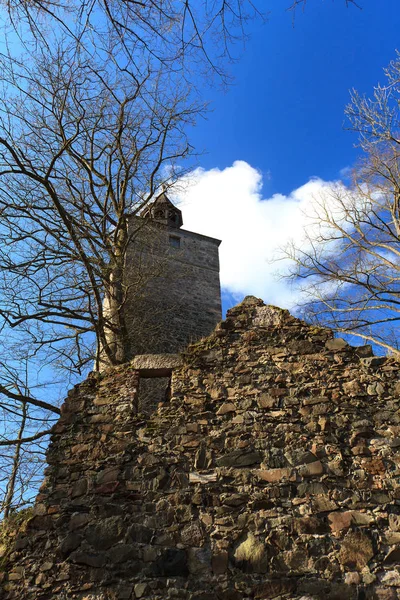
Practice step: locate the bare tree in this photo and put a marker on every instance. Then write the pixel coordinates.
(181, 37)
(25, 423)
(84, 147)
(184, 36)
(350, 258)
(80, 152)
(296, 4)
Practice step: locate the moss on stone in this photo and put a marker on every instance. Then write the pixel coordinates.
(10, 527)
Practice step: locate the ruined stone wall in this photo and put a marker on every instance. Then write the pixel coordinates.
(272, 472)
(174, 293)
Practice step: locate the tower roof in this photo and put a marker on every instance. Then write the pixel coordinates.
(163, 211)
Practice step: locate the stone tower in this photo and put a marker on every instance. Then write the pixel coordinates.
(173, 288)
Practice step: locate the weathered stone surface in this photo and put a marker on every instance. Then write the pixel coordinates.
(78, 520)
(393, 557)
(141, 589)
(311, 469)
(79, 488)
(391, 578)
(156, 364)
(171, 563)
(202, 477)
(274, 475)
(123, 553)
(220, 563)
(356, 550)
(104, 534)
(310, 524)
(239, 458)
(199, 561)
(343, 520)
(275, 589)
(394, 522)
(140, 533)
(228, 407)
(88, 558)
(271, 472)
(373, 361)
(336, 344)
(298, 457)
(192, 535)
(107, 475)
(70, 543)
(340, 520)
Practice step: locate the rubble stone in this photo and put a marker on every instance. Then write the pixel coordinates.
(272, 472)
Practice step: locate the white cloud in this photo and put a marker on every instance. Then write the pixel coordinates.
(228, 204)
(346, 172)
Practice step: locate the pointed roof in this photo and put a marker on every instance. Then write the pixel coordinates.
(163, 211)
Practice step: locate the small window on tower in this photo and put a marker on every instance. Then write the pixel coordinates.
(174, 241)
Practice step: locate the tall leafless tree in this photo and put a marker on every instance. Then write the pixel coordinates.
(80, 151)
(84, 148)
(185, 36)
(25, 423)
(350, 259)
(180, 36)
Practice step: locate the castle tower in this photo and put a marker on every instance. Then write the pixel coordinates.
(172, 279)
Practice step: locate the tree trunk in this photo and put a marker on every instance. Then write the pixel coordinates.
(16, 462)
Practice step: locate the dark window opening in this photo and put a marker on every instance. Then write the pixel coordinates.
(174, 241)
(152, 391)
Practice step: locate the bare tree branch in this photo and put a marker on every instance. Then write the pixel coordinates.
(349, 260)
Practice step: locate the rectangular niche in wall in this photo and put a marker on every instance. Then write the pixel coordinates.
(152, 391)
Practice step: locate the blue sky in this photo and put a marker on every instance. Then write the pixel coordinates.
(284, 118)
(284, 113)
(280, 126)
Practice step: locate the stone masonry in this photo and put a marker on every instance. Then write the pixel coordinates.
(271, 472)
(172, 278)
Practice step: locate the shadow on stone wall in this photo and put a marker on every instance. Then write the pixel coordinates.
(272, 472)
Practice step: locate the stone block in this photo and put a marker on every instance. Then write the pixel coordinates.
(79, 488)
(239, 458)
(78, 520)
(298, 457)
(393, 557)
(226, 408)
(69, 543)
(156, 365)
(202, 477)
(105, 532)
(141, 590)
(13, 576)
(275, 475)
(219, 562)
(171, 563)
(394, 522)
(122, 553)
(275, 589)
(199, 561)
(336, 344)
(356, 550)
(89, 559)
(311, 469)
